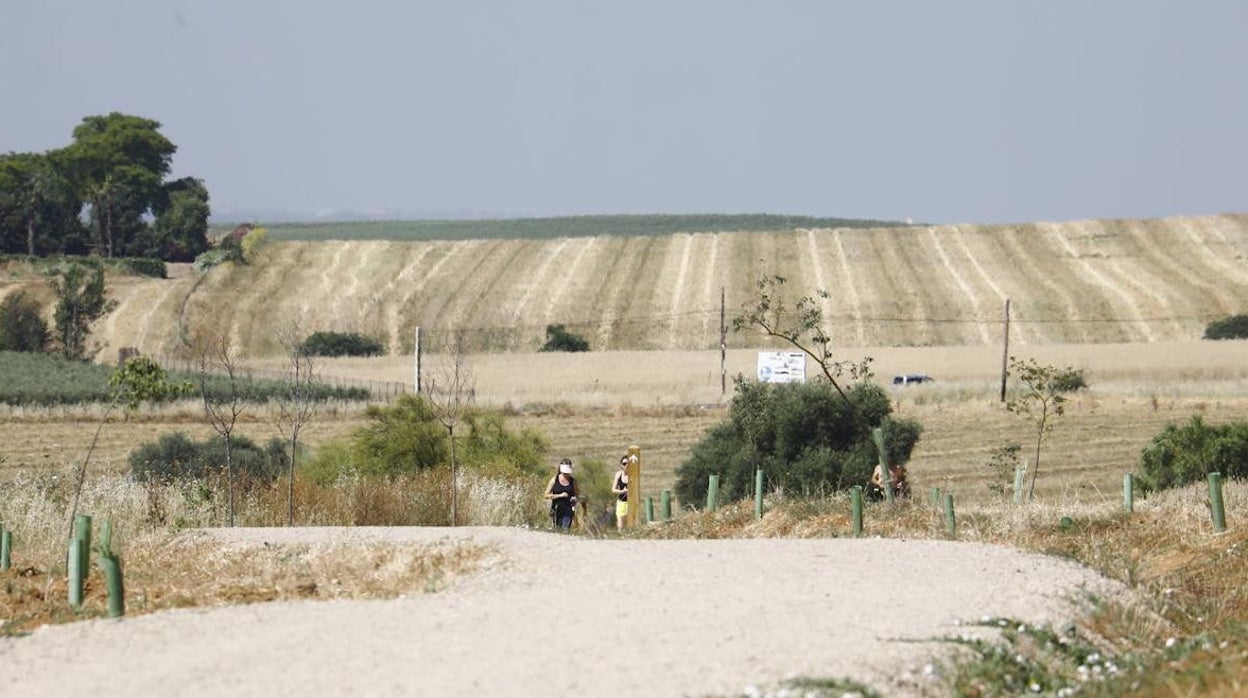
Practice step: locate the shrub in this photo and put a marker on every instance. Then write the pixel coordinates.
(218, 255)
(406, 437)
(1234, 327)
(1182, 455)
(176, 457)
(559, 339)
(22, 327)
(146, 266)
(1070, 380)
(341, 344)
(805, 437)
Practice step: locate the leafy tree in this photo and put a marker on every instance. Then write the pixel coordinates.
(80, 301)
(180, 231)
(1043, 399)
(139, 379)
(807, 438)
(117, 163)
(1233, 327)
(21, 324)
(558, 338)
(801, 326)
(33, 192)
(1179, 456)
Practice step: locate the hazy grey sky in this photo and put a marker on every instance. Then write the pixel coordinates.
(986, 111)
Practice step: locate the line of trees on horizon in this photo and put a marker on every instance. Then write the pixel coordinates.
(106, 193)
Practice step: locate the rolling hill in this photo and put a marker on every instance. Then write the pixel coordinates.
(1095, 281)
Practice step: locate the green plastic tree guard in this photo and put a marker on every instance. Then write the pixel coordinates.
(712, 492)
(951, 523)
(1215, 502)
(75, 573)
(1128, 493)
(936, 499)
(855, 508)
(111, 564)
(665, 503)
(649, 509)
(758, 494)
(6, 550)
(82, 531)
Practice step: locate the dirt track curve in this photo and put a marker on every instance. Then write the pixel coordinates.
(573, 617)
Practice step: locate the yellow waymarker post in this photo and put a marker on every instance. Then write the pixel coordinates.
(634, 485)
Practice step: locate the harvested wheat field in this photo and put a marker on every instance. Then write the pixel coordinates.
(1099, 281)
(596, 404)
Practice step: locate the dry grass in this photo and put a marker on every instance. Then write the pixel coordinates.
(167, 567)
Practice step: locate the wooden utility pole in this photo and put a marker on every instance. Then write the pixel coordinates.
(417, 354)
(1005, 351)
(634, 485)
(723, 346)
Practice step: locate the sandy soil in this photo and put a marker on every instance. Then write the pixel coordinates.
(571, 616)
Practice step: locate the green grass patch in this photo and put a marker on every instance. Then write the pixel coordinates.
(45, 380)
(551, 228)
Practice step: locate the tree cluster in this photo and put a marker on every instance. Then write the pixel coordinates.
(1233, 327)
(558, 338)
(806, 437)
(106, 192)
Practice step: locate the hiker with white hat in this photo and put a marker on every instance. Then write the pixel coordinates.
(562, 493)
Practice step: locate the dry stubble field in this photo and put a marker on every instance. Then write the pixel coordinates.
(595, 405)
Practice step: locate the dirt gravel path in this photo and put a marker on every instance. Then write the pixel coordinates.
(552, 614)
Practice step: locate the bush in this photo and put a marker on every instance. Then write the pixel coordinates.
(218, 255)
(559, 339)
(1179, 456)
(1070, 380)
(176, 457)
(341, 344)
(406, 438)
(805, 437)
(22, 327)
(146, 266)
(1234, 327)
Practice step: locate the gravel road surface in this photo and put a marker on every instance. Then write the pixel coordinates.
(559, 615)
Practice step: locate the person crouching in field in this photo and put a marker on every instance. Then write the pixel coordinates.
(897, 474)
(619, 487)
(562, 493)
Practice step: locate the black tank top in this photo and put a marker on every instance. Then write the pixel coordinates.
(621, 483)
(559, 488)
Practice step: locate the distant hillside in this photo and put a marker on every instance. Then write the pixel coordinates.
(551, 228)
(1077, 282)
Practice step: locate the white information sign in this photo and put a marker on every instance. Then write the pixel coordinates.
(781, 367)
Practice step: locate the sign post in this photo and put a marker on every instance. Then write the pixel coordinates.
(634, 485)
(781, 367)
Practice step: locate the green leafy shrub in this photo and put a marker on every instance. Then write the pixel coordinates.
(406, 437)
(1182, 455)
(22, 327)
(146, 266)
(176, 457)
(341, 344)
(1234, 327)
(805, 437)
(218, 255)
(558, 338)
(1069, 380)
